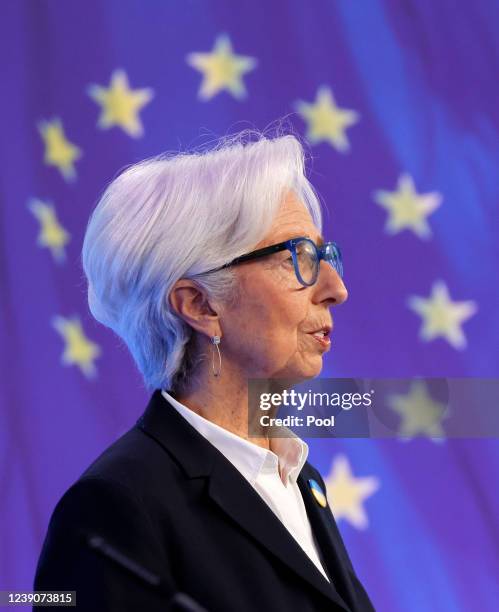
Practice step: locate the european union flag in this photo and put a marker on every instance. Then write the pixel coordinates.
(398, 103)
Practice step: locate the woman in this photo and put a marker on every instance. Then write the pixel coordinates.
(186, 510)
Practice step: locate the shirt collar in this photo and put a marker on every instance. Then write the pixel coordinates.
(289, 451)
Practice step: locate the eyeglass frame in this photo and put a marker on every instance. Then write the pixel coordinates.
(328, 251)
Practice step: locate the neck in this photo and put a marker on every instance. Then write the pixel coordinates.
(224, 401)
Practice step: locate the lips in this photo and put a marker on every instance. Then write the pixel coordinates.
(325, 330)
(322, 335)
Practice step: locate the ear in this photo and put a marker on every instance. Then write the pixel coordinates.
(190, 301)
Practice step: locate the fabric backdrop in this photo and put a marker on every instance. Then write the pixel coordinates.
(399, 104)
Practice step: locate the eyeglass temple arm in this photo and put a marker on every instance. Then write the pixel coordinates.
(275, 248)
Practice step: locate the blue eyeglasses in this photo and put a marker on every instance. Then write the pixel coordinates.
(306, 257)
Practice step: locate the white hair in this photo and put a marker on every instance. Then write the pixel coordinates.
(175, 216)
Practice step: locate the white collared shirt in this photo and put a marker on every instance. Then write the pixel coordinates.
(261, 468)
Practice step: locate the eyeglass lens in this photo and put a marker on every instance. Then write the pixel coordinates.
(307, 261)
(308, 264)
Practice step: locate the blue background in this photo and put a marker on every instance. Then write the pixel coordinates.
(423, 78)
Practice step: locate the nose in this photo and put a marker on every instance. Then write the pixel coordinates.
(329, 287)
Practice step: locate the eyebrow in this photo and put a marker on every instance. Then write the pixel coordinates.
(320, 239)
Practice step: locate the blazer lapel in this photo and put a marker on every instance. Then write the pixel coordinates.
(230, 490)
(328, 539)
(237, 498)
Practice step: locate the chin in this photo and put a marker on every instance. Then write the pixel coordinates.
(308, 371)
(298, 370)
(313, 373)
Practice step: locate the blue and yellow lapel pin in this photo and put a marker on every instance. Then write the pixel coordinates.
(317, 492)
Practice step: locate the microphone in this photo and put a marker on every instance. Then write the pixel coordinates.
(177, 601)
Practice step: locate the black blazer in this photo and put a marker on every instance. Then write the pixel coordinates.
(163, 512)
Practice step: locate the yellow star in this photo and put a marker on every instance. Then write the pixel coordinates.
(78, 350)
(52, 233)
(222, 69)
(347, 493)
(419, 412)
(441, 316)
(59, 152)
(326, 121)
(407, 209)
(120, 104)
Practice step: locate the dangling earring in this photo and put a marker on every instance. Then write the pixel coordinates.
(216, 341)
